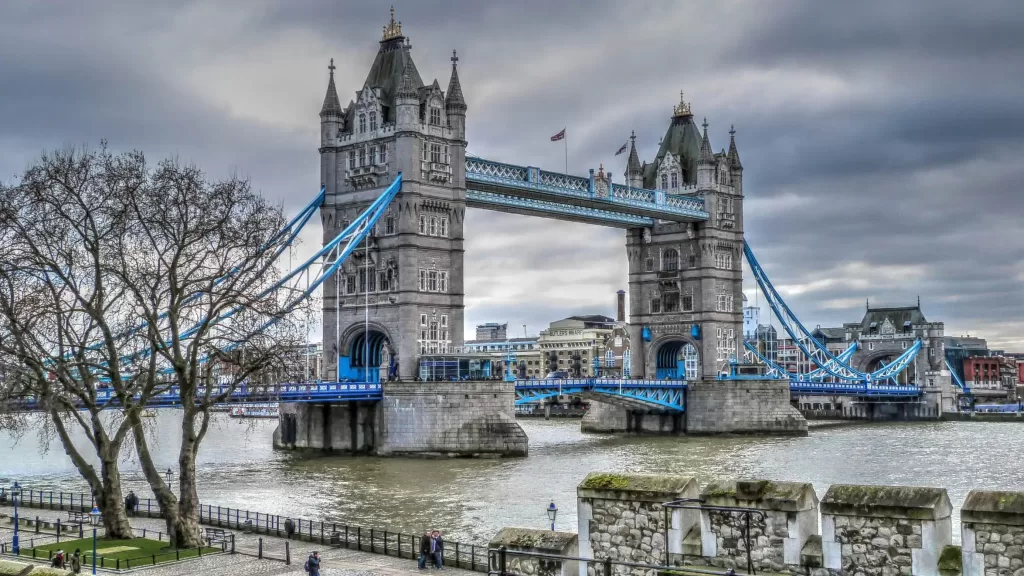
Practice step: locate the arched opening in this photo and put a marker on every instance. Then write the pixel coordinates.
(879, 362)
(364, 352)
(678, 359)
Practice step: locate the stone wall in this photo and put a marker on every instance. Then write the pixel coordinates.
(992, 533)
(450, 418)
(349, 427)
(742, 407)
(884, 530)
(518, 541)
(603, 417)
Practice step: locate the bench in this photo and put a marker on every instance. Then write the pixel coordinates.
(77, 517)
(217, 535)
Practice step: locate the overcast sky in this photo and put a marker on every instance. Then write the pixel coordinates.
(881, 141)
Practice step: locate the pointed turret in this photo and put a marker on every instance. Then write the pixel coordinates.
(331, 104)
(407, 99)
(705, 162)
(634, 171)
(682, 142)
(734, 155)
(707, 155)
(454, 103)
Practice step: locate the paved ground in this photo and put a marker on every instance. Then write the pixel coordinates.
(336, 562)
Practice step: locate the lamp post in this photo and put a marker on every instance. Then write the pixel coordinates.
(94, 521)
(552, 513)
(170, 476)
(15, 496)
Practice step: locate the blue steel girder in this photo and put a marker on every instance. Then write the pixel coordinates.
(815, 388)
(532, 183)
(661, 394)
(549, 209)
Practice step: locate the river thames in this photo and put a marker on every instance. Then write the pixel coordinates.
(470, 500)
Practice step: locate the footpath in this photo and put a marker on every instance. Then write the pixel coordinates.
(335, 561)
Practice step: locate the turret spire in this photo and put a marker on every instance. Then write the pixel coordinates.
(707, 155)
(734, 155)
(633, 164)
(453, 99)
(331, 104)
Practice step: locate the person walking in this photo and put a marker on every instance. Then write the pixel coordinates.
(313, 564)
(437, 549)
(76, 561)
(424, 550)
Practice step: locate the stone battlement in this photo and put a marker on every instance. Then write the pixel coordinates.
(852, 530)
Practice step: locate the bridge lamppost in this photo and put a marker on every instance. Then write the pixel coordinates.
(15, 496)
(94, 521)
(552, 513)
(170, 477)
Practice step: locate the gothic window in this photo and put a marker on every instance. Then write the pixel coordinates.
(362, 123)
(664, 181)
(372, 282)
(693, 260)
(373, 155)
(691, 362)
(655, 305)
(435, 153)
(382, 281)
(670, 260)
(675, 180)
(649, 265)
(423, 319)
(423, 224)
(671, 301)
(609, 358)
(373, 121)
(444, 227)
(688, 303)
(362, 157)
(423, 280)
(435, 116)
(443, 281)
(625, 363)
(432, 280)
(434, 331)
(384, 154)
(351, 159)
(350, 284)
(723, 261)
(725, 302)
(362, 280)
(389, 225)
(433, 226)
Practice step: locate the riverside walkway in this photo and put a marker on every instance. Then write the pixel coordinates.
(335, 560)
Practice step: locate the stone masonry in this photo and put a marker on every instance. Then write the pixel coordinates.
(450, 418)
(992, 533)
(884, 530)
(527, 540)
(742, 407)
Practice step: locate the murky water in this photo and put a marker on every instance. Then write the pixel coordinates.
(472, 499)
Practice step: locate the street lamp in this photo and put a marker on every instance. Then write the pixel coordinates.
(170, 476)
(552, 513)
(15, 496)
(94, 521)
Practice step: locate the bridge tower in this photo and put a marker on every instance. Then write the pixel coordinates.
(406, 284)
(685, 279)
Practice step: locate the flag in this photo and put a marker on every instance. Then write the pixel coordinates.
(558, 136)
(623, 149)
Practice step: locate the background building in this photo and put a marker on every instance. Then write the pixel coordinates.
(492, 331)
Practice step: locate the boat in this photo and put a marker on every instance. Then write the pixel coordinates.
(254, 412)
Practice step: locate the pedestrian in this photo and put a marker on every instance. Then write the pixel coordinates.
(289, 528)
(131, 502)
(58, 560)
(76, 561)
(437, 549)
(312, 566)
(424, 549)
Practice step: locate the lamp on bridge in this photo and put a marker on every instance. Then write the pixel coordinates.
(94, 521)
(552, 513)
(170, 476)
(15, 498)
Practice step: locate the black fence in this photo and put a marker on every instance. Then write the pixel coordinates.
(375, 540)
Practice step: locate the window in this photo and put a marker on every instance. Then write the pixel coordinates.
(432, 280)
(723, 261)
(871, 345)
(389, 225)
(675, 180)
(443, 281)
(444, 321)
(693, 260)
(383, 281)
(372, 281)
(434, 331)
(373, 121)
(384, 154)
(362, 123)
(350, 284)
(649, 265)
(344, 224)
(725, 302)
(670, 260)
(688, 303)
(362, 280)
(423, 280)
(655, 305)
(423, 224)
(435, 116)
(433, 226)
(671, 301)
(690, 362)
(423, 319)
(444, 227)
(609, 358)
(435, 153)
(904, 345)
(351, 159)
(664, 181)
(362, 157)
(373, 155)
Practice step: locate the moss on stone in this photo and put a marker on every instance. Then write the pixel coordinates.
(995, 501)
(635, 483)
(605, 482)
(530, 538)
(774, 495)
(951, 560)
(892, 497)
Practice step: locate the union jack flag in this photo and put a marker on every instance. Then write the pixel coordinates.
(558, 136)
(623, 149)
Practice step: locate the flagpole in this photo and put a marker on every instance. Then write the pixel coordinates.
(566, 139)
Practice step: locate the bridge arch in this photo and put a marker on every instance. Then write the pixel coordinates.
(675, 357)
(873, 361)
(359, 347)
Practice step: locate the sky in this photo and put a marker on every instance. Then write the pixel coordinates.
(881, 141)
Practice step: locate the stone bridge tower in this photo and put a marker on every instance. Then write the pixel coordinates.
(685, 280)
(406, 284)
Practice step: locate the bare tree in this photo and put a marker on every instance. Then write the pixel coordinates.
(122, 286)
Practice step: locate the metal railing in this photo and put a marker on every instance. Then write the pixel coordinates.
(375, 540)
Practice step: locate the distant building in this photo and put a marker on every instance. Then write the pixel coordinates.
(766, 339)
(492, 331)
(751, 319)
(960, 348)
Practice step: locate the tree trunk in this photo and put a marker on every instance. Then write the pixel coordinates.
(164, 495)
(187, 528)
(110, 501)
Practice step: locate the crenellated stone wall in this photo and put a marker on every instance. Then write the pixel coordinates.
(864, 530)
(531, 541)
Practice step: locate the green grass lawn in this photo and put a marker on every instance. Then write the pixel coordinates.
(130, 553)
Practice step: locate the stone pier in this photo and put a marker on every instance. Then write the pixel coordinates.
(603, 418)
(742, 407)
(466, 419)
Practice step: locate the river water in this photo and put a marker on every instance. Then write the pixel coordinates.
(470, 500)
